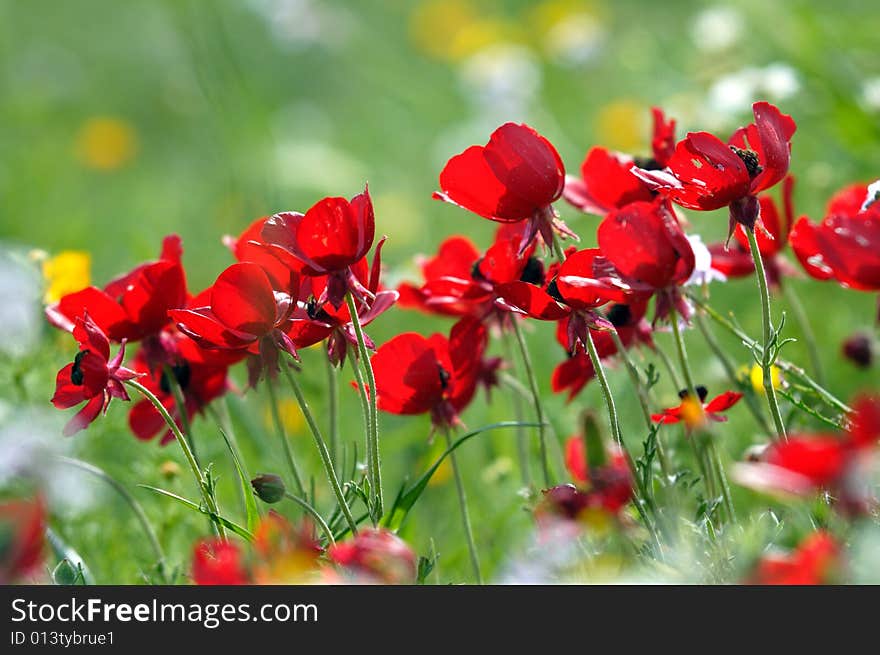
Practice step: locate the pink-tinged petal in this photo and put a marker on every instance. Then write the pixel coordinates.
(201, 326)
(723, 402)
(384, 301)
(525, 298)
(768, 478)
(606, 183)
(510, 178)
(774, 131)
(242, 299)
(84, 417)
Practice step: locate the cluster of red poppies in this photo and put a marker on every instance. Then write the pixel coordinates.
(302, 279)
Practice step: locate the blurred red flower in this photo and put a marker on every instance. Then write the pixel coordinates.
(693, 413)
(218, 562)
(22, 539)
(376, 555)
(813, 562)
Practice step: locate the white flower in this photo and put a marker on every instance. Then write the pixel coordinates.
(717, 28)
(872, 196)
(703, 271)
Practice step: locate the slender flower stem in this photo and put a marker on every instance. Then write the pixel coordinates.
(751, 400)
(322, 449)
(707, 462)
(800, 316)
(207, 494)
(522, 446)
(766, 353)
(365, 408)
(644, 400)
(128, 498)
(785, 366)
(667, 363)
(536, 397)
(333, 408)
(282, 434)
(463, 507)
(722, 480)
(180, 403)
(373, 441)
(311, 511)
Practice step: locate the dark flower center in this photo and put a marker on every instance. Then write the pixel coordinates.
(315, 312)
(647, 163)
(750, 159)
(444, 377)
(553, 291)
(476, 273)
(181, 373)
(76, 373)
(533, 273)
(620, 315)
(702, 392)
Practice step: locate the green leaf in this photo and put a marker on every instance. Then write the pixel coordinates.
(231, 525)
(250, 504)
(405, 501)
(64, 552)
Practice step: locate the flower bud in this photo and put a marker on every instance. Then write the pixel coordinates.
(859, 350)
(269, 487)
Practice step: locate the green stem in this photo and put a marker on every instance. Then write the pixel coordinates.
(766, 352)
(465, 514)
(522, 445)
(536, 397)
(785, 366)
(751, 400)
(667, 363)
(128, 498)
(282, 433)
(322, 449)
(311, 511)
(180, 403)
(333, 408)
(643, 395)
(207, 494)
(365, 413)
(373, 440)
(800, 316)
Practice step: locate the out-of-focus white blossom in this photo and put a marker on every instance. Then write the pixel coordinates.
(703, 271)
(872, 196)
(734, 93)
(502, 80)
(870, 94)
(717, 28)
(20, 308)
(302, 23)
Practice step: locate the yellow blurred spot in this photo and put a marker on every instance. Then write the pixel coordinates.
(169, 470)
(454, 29)
(106, 143)
(692, 412)
(444, 472)
(567, 26)
(620, 125)
(67, 272)
(597, 519)
(291, 416)
(756, 377)
(497, 470)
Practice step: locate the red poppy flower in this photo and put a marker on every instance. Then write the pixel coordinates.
(805, 463)
(417, 375)
(133, 306)
(244, 314)
(694, 414)
(704, 173)
(22, 539)
(201, 374)
(218, 562)
(458, 281)
(285, 553)
(649, 252)
(811, 563)
(330, 238)
(313, 322)
(576, 371)
(92, 378)
(845, 246)
(736, 261)
(581, 285)
(376, 555)
(516, 176)
(606, 180)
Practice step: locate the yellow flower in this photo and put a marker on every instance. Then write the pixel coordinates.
(621, 125)
(756, 377)
(453, 29)
(444, 471)
(169, 469)
(692, 412)
(106, 143)
(67, 272)
(291, 416)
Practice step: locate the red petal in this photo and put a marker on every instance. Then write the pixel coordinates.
(576, 459)
(805, 243)
(532, 300)
(242, 299)
(580, 284)
(201, 325)
(218, 562)
(407, 375)
(821, 459)
(90, 337)
(572, 375)
(865, 428)
(774, 131)
(663, 141)
(723, 402)
(84, 417)
(103, 309)
(606, 183)
(732, 261)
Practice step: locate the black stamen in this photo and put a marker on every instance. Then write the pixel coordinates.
(620, 315)
(750, 159)
(444, 377)
(702, 392)
(181, 373)
(647, 163)
(553, 291)
(76, 373)
(533, 273)
(476, 273)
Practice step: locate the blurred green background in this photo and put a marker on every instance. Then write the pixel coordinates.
(123, 122)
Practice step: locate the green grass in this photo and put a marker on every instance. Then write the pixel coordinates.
(233, 123)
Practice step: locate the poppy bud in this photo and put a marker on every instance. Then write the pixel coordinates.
(269, 487)
(859, 349)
